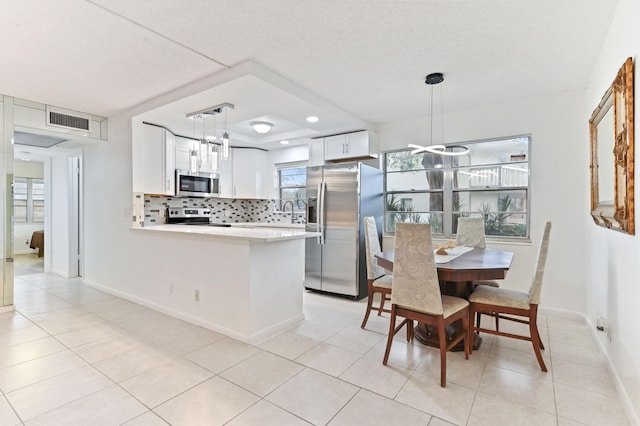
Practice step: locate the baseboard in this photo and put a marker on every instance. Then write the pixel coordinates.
(622, 392)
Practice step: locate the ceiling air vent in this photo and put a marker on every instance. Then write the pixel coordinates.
(67, 119)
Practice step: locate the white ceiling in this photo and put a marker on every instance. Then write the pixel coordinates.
(360, 62)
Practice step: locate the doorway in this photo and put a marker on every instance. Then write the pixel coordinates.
(47, 196)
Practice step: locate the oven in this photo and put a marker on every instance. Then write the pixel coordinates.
(197, 184)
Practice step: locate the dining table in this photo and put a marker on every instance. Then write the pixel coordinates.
(456, 278)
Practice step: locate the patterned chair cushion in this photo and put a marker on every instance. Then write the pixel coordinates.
(500, 296)
(384, 281)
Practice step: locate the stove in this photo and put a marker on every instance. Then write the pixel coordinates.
(198, 216)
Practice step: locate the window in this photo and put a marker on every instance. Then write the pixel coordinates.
(28, 200)
(492, 182)
(293, 186)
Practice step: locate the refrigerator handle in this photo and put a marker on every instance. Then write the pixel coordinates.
(320, 220)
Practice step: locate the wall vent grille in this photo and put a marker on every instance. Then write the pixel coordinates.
(70, 121)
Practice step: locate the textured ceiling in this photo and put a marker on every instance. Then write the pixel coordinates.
(369, 57)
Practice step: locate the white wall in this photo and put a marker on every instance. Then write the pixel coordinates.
(559, 191)
(612, 267)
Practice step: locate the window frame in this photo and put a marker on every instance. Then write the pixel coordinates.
(289, 166)
(448, 190)
(30, 199)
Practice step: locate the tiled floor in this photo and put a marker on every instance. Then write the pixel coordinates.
(73, 355)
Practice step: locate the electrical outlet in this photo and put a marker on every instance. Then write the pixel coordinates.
(26, 242)
(197, 295)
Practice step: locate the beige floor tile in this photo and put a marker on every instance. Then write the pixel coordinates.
(367, 408)
(519, 388)
(589, 378)
(489, 410)
(317, 329)
(222, 354)
(589, 408)
(519, 361)
(567, 422)
(10, 321)
(435, 421)
(378, 324)
(264, 413)
(188, 340)
(452, 403)
(8, 417)
(110, 406)
(106, 348)
(313, 396)
(131, 363)
(90, 333)
(356, 339)
(386, 380)
(27, 351)
(36, 399)
(520, 345)
(165, 381)
(289, 345)
(402, 354)
(461, 371)
(23, 335)
(572, 336)
(262, 373)
(329, 359)
(29, 372)
(213, 402)
(147, 419)
(577, 354)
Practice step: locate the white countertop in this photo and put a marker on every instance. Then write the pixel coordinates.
(264, 232)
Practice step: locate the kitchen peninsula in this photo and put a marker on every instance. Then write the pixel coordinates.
(242, 281)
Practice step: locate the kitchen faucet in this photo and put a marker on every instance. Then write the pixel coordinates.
(284, 207)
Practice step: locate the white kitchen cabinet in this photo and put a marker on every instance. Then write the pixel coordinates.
(158, 161)
(250, 173)
(316, 153)
(225, 172)
(184, 146)
(354, 145)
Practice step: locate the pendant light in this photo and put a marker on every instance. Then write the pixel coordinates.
(225, 139)
(213, 148)
(193, 154)
(449, 150)
(225, 136)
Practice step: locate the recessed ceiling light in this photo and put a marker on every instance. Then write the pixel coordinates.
(312, 119)
(284, 142)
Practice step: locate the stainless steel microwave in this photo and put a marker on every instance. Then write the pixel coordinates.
(198, 184)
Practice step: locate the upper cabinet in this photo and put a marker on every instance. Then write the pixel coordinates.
(184, 146)
(316, 153)
(350, 146)
(156, 160)
(250, 173)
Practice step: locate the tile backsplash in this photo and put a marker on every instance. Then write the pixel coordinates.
(223, 210)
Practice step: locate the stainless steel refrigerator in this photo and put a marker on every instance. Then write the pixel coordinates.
(339, 196)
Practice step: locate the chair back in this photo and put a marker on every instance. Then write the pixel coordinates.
(471, 232)
(415, 278)
(536, 283)
(372, 247)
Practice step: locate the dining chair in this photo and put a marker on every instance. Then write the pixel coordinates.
(377, 281)
(500, 302)
(416, 293)
(470, 232)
